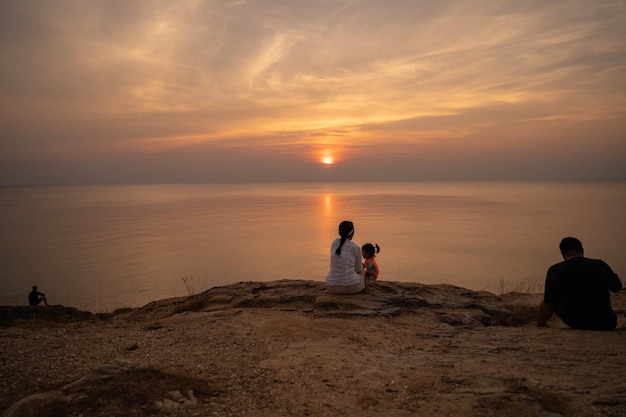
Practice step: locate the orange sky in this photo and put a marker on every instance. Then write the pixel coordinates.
(194, 90)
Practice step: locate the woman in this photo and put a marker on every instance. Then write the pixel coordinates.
(345, 276)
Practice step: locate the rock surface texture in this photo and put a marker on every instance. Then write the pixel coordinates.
(289, 348)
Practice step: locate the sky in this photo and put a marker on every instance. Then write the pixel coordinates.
(157, 91)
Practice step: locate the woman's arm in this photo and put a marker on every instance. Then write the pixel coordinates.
(358, 263)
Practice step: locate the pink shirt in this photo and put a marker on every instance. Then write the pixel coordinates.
(371, 269)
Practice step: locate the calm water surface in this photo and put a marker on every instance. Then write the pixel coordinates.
(104, 247)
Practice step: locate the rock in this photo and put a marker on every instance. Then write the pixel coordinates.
(60, 314)
(88, 385)
(170, 405)
(276, 348)
(453, 305)
(106, 371)
(612, 395)
(27, 405)
(191, 400)
(175, 396)
(450, 304)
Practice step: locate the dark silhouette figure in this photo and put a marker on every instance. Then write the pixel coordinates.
(578, 289)
(35, 297)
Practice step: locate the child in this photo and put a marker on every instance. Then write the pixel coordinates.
(370, 266)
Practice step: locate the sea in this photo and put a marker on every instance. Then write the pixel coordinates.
(100, 248)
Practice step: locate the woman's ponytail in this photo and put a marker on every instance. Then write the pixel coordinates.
(346, 229)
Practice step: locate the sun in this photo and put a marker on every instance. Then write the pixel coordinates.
(327, 160)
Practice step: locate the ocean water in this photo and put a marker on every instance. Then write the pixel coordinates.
(100, 248)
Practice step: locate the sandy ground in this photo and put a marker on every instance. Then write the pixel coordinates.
(283, 362)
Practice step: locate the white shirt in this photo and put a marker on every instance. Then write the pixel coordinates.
(344, 268)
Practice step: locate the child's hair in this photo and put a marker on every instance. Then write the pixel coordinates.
(370, 250)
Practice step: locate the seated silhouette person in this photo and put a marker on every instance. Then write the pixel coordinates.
(35, 297)
(578, 290)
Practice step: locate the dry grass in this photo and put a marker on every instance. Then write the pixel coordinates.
(530, 285)
(194, 284)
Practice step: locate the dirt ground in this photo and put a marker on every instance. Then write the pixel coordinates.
(284, 362)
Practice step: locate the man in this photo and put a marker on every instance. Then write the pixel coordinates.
(577, 290)
(35, 297)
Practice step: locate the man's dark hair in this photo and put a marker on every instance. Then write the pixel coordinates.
(570, 244)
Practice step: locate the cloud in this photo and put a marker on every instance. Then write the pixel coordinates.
(364, 79)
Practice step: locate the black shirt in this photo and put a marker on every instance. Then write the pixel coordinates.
(578, 291)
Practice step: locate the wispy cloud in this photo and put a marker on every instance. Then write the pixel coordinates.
(95, 77)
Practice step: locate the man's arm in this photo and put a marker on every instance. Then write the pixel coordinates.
(544, 313)
(358, 263)
(615, 284)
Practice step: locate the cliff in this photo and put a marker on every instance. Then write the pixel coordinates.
(289, 348)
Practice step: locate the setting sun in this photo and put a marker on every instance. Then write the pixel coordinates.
(327, 160)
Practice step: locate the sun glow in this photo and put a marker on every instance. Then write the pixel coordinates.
(327, 160)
